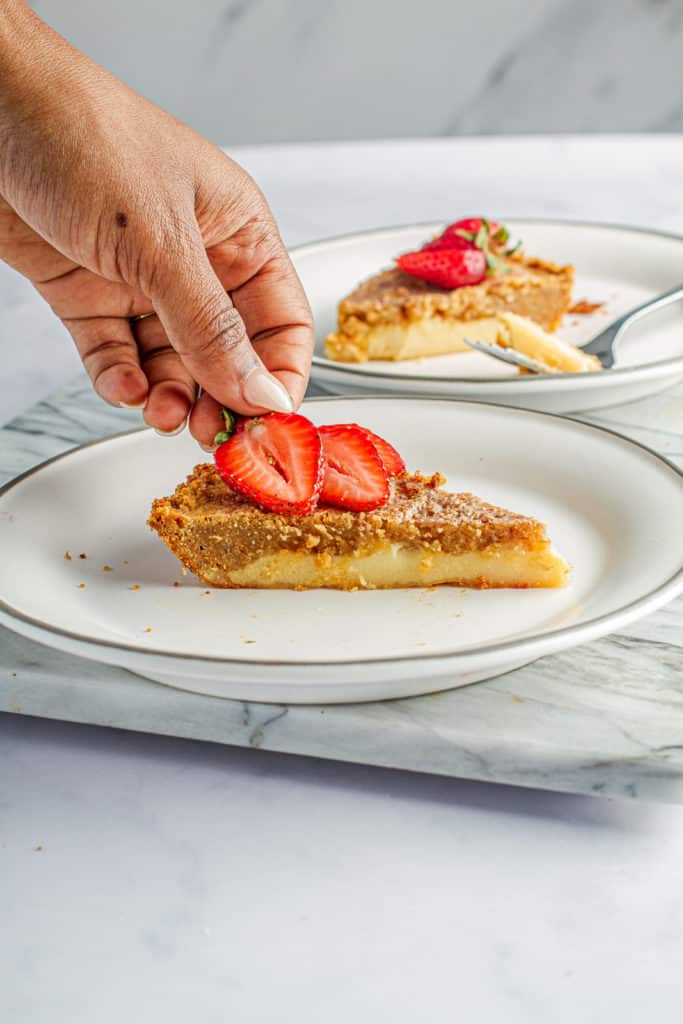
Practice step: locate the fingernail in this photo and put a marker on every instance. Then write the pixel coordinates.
(172, 433)
(210, 448)
(261, 389)
(133, 405)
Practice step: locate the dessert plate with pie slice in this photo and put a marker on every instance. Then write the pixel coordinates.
(81, 570)
(615, 269)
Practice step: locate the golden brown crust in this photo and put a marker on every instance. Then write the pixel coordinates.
(535, 288)
(207, 525)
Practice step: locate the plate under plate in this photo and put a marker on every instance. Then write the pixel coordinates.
(612, 508)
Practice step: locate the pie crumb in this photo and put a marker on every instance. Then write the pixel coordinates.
(107, 568)
(136, 586)
(517, 700)
(67, 556)
(81, 586)
(583, 307)
(148, 629)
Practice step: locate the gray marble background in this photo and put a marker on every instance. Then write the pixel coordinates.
(246, 71)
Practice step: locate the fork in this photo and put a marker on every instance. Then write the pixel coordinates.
(602, 345)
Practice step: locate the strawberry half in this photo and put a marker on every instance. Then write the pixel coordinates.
(354, 476)
(446, 268)
(276, 460)
(391, 460)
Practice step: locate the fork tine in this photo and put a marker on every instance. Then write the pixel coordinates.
(505, 355)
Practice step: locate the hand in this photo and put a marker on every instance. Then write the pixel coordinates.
(114, 209)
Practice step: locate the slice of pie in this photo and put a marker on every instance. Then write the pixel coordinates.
(552, 353)
(422, 536)
(395, 315)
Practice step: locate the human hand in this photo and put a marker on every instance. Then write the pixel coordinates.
(114, 209)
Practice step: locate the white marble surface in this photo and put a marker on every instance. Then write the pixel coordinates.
(159, 878)
(243, 71)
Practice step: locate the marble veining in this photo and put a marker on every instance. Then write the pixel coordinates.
(605, 718)
(340, 70)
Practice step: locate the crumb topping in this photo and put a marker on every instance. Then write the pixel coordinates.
(205, 517)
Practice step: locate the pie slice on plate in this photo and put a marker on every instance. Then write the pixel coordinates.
(397, 315)
(421, 536)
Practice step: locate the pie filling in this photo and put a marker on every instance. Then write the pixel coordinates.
(423, 536)
(395, 316)
(397, 566)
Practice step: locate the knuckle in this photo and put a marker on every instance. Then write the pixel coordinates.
(218, 329)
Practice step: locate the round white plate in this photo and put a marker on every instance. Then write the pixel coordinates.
(618, 266)
(612, 508)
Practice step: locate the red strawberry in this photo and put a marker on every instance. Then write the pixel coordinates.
(354, 476)
(472, 225)
(444, 241)
(276, 460)
(391, 460)
(446, 268)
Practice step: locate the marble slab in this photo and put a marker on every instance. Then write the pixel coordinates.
(605, 718)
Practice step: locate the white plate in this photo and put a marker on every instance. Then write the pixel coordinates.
(618, 266)
(619, 529)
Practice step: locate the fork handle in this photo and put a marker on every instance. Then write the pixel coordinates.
(649, 306)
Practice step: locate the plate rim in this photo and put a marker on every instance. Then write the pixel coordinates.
(523, 384)
(531, 646)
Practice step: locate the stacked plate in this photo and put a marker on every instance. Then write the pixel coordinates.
(613, 508)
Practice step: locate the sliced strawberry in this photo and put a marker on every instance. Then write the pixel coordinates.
(391, 460)
(446, 268)
(276, 460)
(354, 476)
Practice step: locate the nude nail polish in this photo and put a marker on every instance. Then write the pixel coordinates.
(133, 405)
(172, 433)
(262, 389)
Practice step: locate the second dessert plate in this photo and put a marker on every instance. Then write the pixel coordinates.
(618, 267)
(81, 571)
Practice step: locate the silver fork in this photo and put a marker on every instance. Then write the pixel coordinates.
(602, 345)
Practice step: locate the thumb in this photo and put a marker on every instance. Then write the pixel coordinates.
(209, 335)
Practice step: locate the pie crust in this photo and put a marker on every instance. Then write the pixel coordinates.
(423, 536)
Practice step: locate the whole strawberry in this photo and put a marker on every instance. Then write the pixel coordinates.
(445, 268)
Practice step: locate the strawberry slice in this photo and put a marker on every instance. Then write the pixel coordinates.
(276, 461)
(391, 460)
(354, 476)
(446, 268)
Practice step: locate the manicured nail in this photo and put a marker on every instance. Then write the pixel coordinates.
(210, 448)
(172, 433)
(133, 405)
(261, 389)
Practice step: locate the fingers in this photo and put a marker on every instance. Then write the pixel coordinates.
(110, 355)
(208, 333)
(278, 320)
(206, 420)
(171, 387)
(76, 289)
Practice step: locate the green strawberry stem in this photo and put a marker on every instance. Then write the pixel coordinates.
(230, 424)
